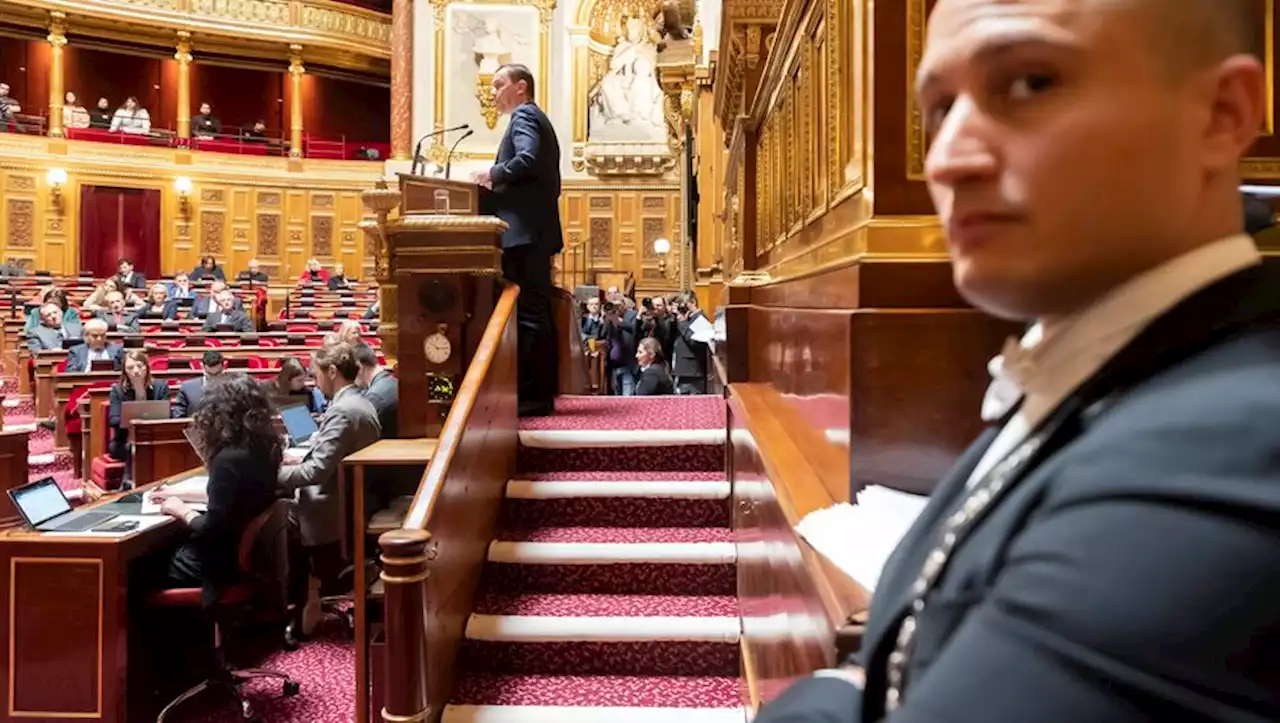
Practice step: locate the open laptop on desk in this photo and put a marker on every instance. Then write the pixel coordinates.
(300, 426)
(44, 507)
(129, 411)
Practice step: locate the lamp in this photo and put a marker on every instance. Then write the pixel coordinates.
(182, 185)
(662, 247)
(57, 178)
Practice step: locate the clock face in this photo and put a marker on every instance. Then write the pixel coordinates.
(437, 348)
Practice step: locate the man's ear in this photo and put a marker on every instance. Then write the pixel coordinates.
(1238, 109)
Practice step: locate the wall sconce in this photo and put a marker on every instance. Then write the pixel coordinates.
(662, 247)
(57, 178)
(182, 185)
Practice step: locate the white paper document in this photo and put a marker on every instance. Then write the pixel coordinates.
(197, 483)
(858, 538)
(701, 329)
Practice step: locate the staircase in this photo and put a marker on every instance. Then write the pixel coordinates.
(43, 461)
(609, 594)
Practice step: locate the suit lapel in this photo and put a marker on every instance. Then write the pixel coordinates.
(1236, 304)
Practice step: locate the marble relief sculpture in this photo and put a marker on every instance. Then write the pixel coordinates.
(627, 104)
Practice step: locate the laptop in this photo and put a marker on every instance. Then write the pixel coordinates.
(44, 507)
(129, 411)
(299, 425)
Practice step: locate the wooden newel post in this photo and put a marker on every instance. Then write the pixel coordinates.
(404, 576)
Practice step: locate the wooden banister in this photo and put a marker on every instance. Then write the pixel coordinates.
(449, 526)
(573, 365)
(782, 469)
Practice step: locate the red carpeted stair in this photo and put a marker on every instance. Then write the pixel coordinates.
(610, 592)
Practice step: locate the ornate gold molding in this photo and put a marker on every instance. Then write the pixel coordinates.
(341, 34)
(917, 142)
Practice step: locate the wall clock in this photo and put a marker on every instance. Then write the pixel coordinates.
(437, 348)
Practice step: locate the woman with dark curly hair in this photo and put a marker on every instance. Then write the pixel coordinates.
(235, 434)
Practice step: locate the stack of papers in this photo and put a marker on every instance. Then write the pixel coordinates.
(191, 485)
(858, 538)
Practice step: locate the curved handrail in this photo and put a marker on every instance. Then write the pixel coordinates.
(456, 422)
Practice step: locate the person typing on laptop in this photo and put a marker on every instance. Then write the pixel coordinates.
(235, 435)
(135, 385)
(349, 424)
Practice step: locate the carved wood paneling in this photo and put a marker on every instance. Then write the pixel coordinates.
(211, 232)
(268, 234)
(604, 231)
(21, 223)
(322, 236)
(602, 239)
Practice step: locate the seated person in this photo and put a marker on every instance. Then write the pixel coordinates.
(95, 348)
(208, 270)
(228, 314)
(373, 312)
(135, 385)
(315, 274)
(180, 287)
(131, 118)
(116, 315)
(236, 434)
(98, 299)
(48, 335)
(100, 116)
(381, 388)
(130, 278)
(291, 381)
(201, 307)
(338, 279)
(254, 273)
(654, 379)
(73, 114)
(71, 326)
(191, 392)
(205, 124)
(347, 426)
(349, 332)
(158, 305)
(258, 134)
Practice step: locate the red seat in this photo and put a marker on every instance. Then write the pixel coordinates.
(263, 585)
(107, 473)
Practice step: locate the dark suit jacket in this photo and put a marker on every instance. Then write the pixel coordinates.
(1129, 571)
(189, 394)
(168, 310)
(384, 394)
(238, 320)
(200, 273)
(526, 182)
(623, 336)
(242, 485)
(78, 357)
(258, 278)
(202, 304)
(688, 357)
(654, 381)
(118, 447)
(134, 281)
(128, 320)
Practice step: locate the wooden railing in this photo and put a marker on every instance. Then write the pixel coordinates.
(431, 566)
(800, 612)
(573, 361)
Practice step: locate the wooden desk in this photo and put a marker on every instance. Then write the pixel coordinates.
(383, 453)
(66, 631)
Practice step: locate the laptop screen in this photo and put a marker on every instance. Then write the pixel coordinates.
(40, 501)
(298, 422)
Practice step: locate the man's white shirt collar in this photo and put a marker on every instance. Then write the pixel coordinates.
(1051, 361)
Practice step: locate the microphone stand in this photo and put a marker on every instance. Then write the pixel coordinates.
(448, 161)
(418, 160)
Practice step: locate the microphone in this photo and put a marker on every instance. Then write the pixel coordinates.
(448, 160)
(417, 150)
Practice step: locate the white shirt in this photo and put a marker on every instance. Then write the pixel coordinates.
(102, 354)
(1053, 360)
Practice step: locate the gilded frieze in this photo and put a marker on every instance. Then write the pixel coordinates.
(211, 226)
(258, 12)
(21, 214)
(321, 235)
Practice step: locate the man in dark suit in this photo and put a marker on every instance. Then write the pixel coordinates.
(205, 303)
(117, 315)
(525, 185)
(191, 391)
(95, 348)
(227, 314)
(1107, 551)
(129, 277)
(688, 354)
(381, 388)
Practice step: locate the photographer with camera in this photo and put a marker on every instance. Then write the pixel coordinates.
(688, 355)
(622, 331)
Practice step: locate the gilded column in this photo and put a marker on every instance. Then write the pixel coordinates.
(57, 41)
(183, 56)
(296, 69)
(401, 79)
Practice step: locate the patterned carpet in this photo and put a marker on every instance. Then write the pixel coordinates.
(610, 592)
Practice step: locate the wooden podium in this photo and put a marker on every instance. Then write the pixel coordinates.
(439, 267)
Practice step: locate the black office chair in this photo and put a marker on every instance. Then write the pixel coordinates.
(263, 587)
